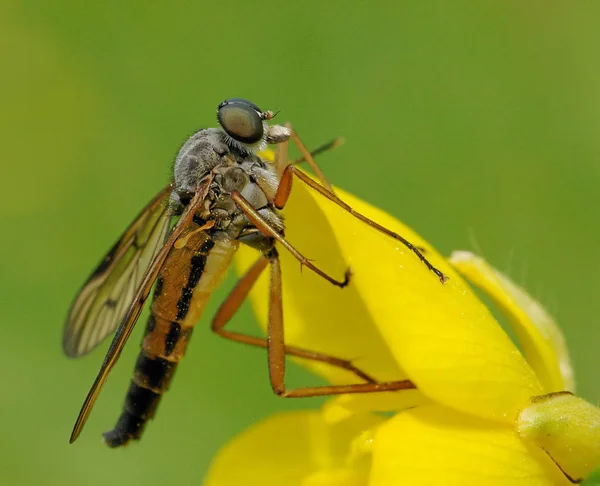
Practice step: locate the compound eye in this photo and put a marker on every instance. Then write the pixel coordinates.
(241, 120)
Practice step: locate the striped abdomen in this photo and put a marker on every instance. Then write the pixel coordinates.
(193, 269)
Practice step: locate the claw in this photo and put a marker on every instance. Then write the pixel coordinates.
(347, 276)
(443, 278)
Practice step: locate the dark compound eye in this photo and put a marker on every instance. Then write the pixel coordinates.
(241, 119)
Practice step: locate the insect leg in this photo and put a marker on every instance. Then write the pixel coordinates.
(285, 188)
(285, 182)
(276, 350)
(230, 306)
(265, 228)
(336, 142)
(281, 157)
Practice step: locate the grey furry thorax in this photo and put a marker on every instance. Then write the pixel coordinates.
(206, 153)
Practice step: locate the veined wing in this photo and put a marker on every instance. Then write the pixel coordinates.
(134, 308)
(109, 291)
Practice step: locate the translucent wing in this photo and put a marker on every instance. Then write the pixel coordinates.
(105, 297)
(134, 307)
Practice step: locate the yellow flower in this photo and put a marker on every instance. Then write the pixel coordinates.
(484, 413)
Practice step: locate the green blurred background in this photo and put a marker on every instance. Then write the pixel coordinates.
(477, 123)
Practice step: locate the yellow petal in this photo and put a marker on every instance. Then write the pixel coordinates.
(541, 339)
(293, 449)
(338, 477)
(567, 428)
(442, 335)
(344, 406)
(432, 445)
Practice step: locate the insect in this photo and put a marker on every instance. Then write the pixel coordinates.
(222, 194)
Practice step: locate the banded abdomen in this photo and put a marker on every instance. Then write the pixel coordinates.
(193, 269)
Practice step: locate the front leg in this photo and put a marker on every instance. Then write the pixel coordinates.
(285, 188)
(267, 229)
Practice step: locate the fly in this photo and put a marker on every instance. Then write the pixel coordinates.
(222, 194)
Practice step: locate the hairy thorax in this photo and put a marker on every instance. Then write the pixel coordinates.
(205, 155)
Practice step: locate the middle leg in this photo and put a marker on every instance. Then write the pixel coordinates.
(276, 352)
(232, 303)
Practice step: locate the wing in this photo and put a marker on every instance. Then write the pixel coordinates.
(102, 302)
(134, 309)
